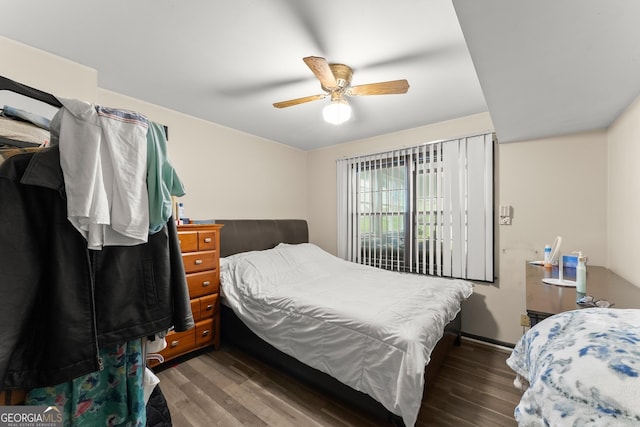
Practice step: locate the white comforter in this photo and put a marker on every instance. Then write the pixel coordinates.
(372, 329)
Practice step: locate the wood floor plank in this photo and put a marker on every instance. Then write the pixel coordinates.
(216, 413)
(289, 391)
(254, 400)
(228, 388)
(171, 389)
(229, 366)
(178, 418)
(468, 411)
(432, 416)
(487, 400)
(313, 405)
(210, 394)
(280, 402)
(221, 377)
(477, 382)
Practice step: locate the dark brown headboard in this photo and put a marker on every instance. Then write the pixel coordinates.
(242, 235)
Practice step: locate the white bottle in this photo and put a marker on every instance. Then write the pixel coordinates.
(581, 274)
(181, 216)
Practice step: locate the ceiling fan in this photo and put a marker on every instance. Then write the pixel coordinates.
(335, 80)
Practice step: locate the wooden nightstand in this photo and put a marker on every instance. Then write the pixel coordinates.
(544, 300)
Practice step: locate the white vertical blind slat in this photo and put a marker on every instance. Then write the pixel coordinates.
(354, 241)
(433, 200)
(396, 218)
(376, 207)
(343, 196)
(369, 178)
(476, 209)
(449, 160)
(488, 206)
(420, 214)
(409, 207)
(460, 260)
(440, 211)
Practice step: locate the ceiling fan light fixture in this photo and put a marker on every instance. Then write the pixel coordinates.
(337, 112)
(335, 80)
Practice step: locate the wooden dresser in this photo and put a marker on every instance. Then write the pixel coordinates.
(200, 245)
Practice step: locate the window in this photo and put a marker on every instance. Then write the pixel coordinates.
(426, 209)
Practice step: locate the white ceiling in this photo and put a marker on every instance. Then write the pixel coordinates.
(553, 67)
(544, 67)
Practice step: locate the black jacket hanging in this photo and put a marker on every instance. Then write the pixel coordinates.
(60, 301)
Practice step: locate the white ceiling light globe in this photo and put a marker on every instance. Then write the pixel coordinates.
(337, 112)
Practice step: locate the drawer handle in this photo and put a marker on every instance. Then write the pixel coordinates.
(205, 333)
(206, 283)
(207, 239)
(209, 307)
(198, 262)
(174, 343)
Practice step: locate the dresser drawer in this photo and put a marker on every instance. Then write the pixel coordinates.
(205, 332)
(206, 240)
(178, 343)
(188, 241)
(199, 261)
(208, 306)
(195, 309)
(203, 283)
(12, 397)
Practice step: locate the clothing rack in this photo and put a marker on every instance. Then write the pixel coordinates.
(19, 88)
(22, 89)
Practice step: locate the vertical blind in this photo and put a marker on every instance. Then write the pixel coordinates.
(426, 209)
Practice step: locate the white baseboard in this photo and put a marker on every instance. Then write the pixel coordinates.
(489, 344)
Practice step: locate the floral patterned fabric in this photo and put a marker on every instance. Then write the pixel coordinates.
(582, 369)
(111, 397)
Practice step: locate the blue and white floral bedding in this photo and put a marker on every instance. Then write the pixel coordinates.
(580, 368)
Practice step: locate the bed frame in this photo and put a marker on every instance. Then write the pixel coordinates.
(242, 235)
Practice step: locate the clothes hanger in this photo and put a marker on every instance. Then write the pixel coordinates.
(13, 86)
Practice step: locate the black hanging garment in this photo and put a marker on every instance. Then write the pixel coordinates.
(61, 301)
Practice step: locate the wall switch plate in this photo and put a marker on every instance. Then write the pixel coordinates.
(505, 214)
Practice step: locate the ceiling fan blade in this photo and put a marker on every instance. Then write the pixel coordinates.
(321, 69)
(382, 88)
(297, 101)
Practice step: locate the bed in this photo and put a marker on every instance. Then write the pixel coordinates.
(580, 368)
(372, 330)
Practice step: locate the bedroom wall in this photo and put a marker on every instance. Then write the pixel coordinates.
(226, 173)
(557, 186)
(623, 190)
(47, 72)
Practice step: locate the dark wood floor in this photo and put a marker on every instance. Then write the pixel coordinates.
(229, 388)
